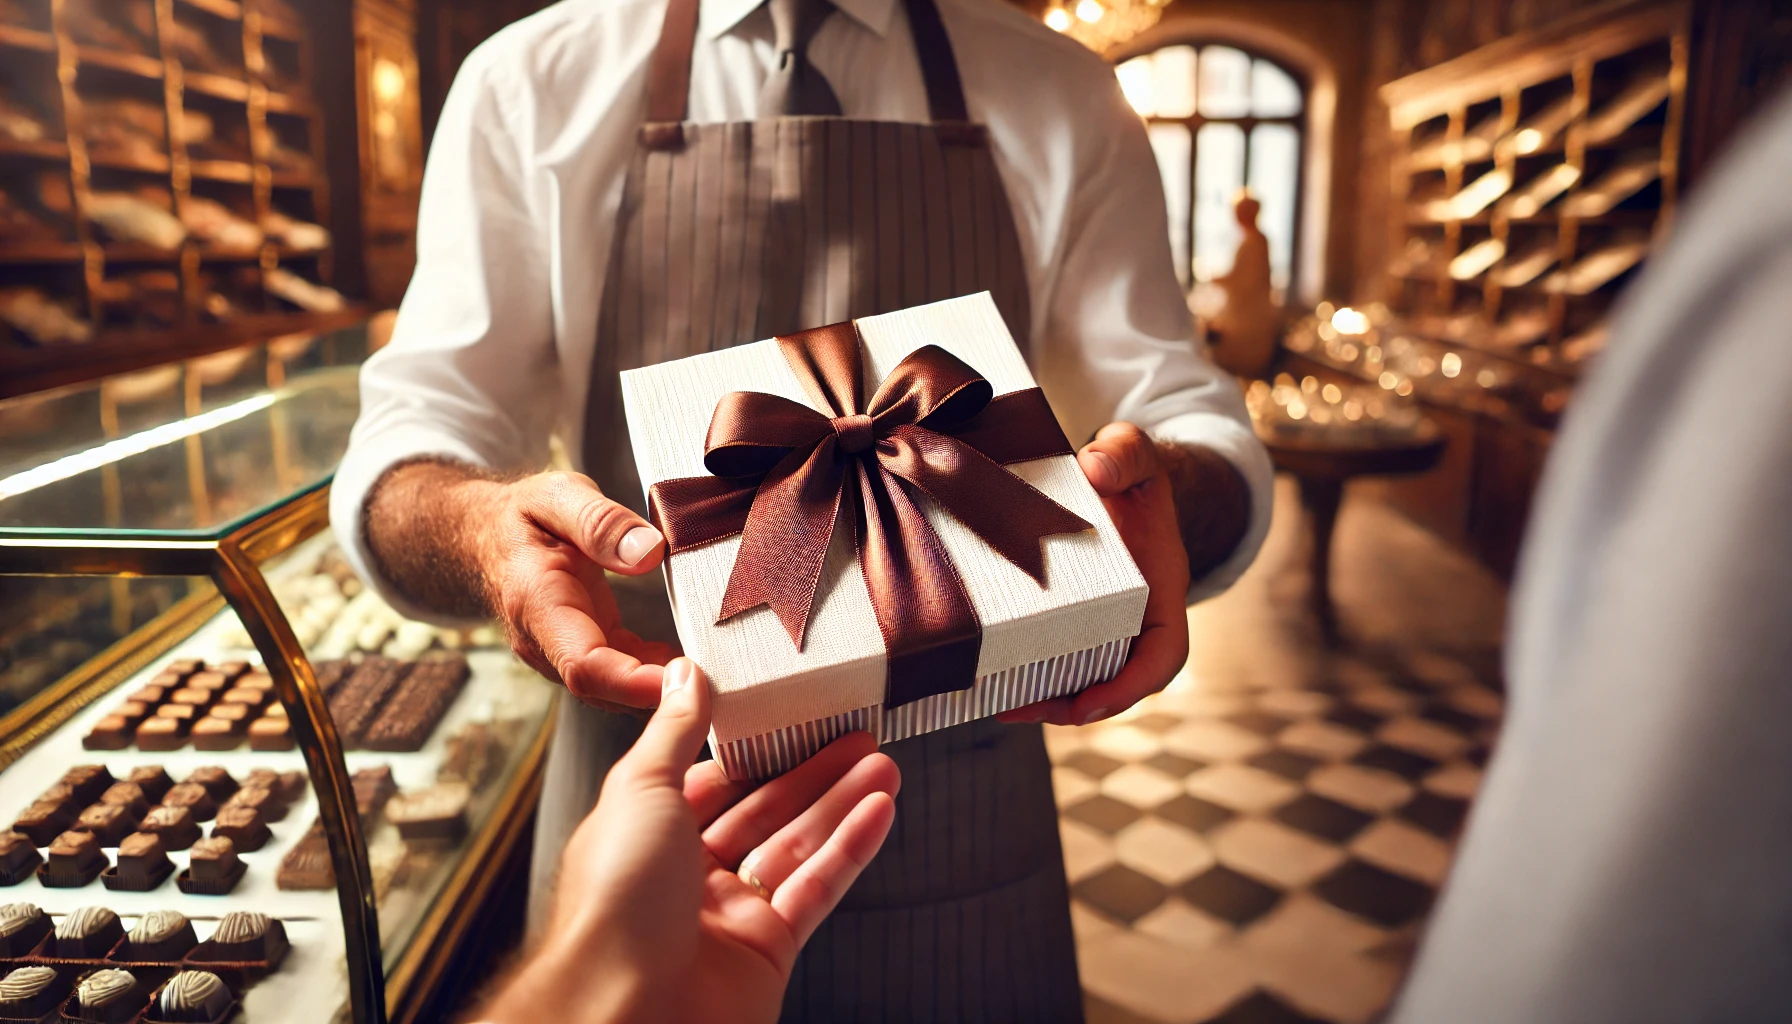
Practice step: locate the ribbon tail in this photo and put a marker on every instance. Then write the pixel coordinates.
(931, 631)
(1006, 512)
(692, 511)
(785, 539)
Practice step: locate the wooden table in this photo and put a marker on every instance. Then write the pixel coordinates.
(1321, 467)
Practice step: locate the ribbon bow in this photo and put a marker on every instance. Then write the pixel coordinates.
(782, 470)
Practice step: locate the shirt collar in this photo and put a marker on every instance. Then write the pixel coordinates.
(716, 17)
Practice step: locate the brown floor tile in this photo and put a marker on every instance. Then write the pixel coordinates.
(1228, 895)
(1121, 893)
(1103, 813)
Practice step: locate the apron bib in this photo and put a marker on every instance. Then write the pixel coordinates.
(730, 233)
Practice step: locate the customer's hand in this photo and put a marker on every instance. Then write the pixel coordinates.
(652, 920)
(1166, 501)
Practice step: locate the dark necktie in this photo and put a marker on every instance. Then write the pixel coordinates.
(795, 88)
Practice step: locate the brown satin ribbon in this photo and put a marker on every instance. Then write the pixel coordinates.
(781, 471)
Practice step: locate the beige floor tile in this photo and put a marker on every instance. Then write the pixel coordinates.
(1294, 703)
(1478, 701)
(1384, 700)
(1090, 924)
(1154, 978)
(1210, 739)
(1123, 742)
(1369, 789)
(1241, 787)
(1302, 919)
(1459, 779)
(1343, 987)
(1140, 786)
(1086, 851)
(1061, 741)
(1355, 672)
(1183, 926)
(1273, 852)
(1404, 850)
(1423, 737)
(1438, 669)
(1322, 740)
(1070, 786)
(1163, 851)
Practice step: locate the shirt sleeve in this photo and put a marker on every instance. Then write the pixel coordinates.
(1118, 339)
(472, 352)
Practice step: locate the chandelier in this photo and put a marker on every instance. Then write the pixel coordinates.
(1102, 25)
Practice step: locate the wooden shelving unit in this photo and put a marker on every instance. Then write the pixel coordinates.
(230, 82)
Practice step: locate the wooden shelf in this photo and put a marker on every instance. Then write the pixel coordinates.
(43, 149)
(219, 86)
(235, 171)
(132, 252)
(289, 103)
(207, 255)
(18, 37)
(156, 165)
(40, 252)
(229, 10)
(129, 63)
(294, 179)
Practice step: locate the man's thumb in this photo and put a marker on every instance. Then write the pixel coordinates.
(675, 733)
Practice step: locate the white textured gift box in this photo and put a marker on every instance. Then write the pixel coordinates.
(775, 705)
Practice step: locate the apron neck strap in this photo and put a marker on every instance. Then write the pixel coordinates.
(669, 71)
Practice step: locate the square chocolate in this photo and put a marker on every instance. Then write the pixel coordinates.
(189, 695)
(174, 824)
(62, 795)
(75, 860)
(142, 865)
(194, 798)
(232, 670)
(242, 713)
(185, 666)
(112, 732)
(259, 680)
(182, 713)
(213, 869)
(108, 823)
(128, 795)
(160, 733)
(213, 682)
(87, 934)
(42, 822)
(268, 802)
(292, 785)
(154, 780)
(152, 694)
(246, 696)
(217, 734)
(241, 825)
(215, 779)
(270, 734)
(18, 858)
(88, 781)
(168, 680)
(307, 865)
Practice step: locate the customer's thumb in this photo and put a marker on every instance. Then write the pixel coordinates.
(675, 733)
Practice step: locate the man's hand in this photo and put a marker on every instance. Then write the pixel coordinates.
(530, 552)
(1180, 511)
(654, 918)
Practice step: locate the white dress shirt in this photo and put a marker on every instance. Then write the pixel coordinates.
(493, 345)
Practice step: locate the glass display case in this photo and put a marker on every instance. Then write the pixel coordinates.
(202, 710)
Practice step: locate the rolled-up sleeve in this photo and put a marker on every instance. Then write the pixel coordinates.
(471, 370)
(1118, 342)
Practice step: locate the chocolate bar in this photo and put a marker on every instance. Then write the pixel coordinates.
(18, 858)
(22, 927)
(373, 787)
(307, 865)
(194, 798)
(474, 755)
(330, 674)
(142, 865)
(75, 860)
(436, 813)
(358, 701)
(192, 997)
(87, 934)
(174, 824)
(160, 936)
(418, 706)
(243, 826)
(213, 869)
(153, 779)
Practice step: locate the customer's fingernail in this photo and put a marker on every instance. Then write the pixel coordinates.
(1095, 716)
(636, 543)
(676, 677)
(1106, 468)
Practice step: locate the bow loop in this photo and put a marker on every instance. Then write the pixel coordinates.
(931, 387)
(751, 432)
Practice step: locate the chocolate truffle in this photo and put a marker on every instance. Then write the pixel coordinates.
(75, 860)
(243, 826)
(18, 858)
(111, 996)
(244, 936)
(192, 997)
(216, 781)
(128, 795)
(29, 993)
(112, 732)
(108, 822)
(22, 927)
(88, 781)
(142, 865)
(154, 780)
(438, 812)
(270, 734)
(217, 734)
(160, 936)
(42, 822)
(87, 934)
(194, 797)
(213, 868)
(174, 824)
(160, 733)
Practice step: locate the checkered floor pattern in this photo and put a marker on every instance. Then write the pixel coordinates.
(1257, 855)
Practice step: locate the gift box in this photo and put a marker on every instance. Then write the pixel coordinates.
(875, 525)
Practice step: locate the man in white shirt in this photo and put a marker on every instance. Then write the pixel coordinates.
(618, 182)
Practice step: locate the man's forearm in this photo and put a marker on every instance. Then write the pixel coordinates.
(421, 526)
(1213, 504)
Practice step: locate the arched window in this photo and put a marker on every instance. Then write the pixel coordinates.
(1221, 119)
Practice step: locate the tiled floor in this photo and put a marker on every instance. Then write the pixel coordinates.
(1261, 842)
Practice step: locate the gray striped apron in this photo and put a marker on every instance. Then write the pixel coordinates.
(729, 233)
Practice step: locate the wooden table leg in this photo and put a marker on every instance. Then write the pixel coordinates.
(1320, 496)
